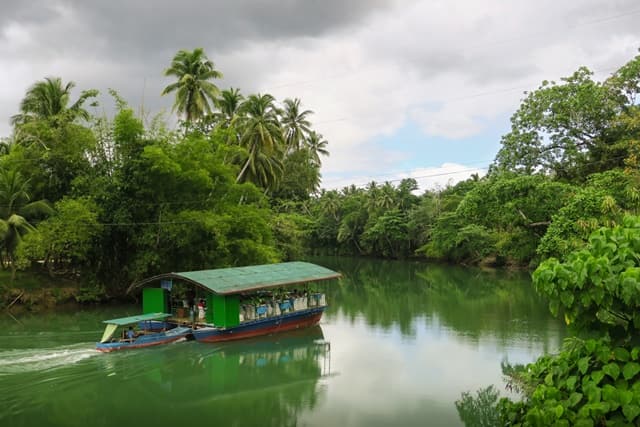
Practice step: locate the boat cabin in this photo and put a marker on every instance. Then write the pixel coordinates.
(229, 297)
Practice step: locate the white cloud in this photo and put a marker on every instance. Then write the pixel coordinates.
(432, 178)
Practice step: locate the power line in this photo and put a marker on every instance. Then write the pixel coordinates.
(434, 175)
(474, 169)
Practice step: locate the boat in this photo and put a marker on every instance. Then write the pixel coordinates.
(147, 335)
(240, 302)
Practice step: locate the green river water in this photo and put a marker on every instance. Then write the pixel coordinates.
(398, 344)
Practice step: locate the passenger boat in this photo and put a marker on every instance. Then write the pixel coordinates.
(240, 302)
(146, 335)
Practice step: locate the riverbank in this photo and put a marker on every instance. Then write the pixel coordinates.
(35, 291)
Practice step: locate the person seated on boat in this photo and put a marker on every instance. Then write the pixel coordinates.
(131, 334)
(201, 309)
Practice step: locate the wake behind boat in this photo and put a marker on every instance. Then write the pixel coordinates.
(121, 335)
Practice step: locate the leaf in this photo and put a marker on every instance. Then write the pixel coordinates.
(548, 380)
(630, 370)
(571, 382)
(610, 394)
(621, 354)
(626, 396)
(567, 319)
(631, 412)
(559, 410)
(567, 298)
(597, 376)
(574, 399)
(635, 352)
(584, 422)
(583, 364)
(612, 369)
(593, 394)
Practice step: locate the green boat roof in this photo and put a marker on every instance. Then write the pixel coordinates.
(235, 280)
(135, 319)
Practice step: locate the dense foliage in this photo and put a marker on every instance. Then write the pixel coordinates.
(574, 146)
(107, 201)
(110, 200)
(568, 166)
(592, 381)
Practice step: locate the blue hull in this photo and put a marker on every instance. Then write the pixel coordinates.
(146, 340)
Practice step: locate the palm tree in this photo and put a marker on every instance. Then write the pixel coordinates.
(261, 134)
(194, 92)
(229, 104)
(15, 208)
(317, 146)
(295, 123)
(265, 170)
(49, 98)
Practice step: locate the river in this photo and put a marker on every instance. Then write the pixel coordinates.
(398, 345)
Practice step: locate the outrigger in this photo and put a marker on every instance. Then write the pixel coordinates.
(151, 332)
(239, 302)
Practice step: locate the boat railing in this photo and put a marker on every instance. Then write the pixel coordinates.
(277, 307)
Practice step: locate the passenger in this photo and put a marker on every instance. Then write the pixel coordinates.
(131, 335)
(201, 309)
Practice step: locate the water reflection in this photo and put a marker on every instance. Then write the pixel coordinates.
(470, 302)
(406, 340)
(409, 338)
(256, 382)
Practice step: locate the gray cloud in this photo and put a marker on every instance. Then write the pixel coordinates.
(127, 44)
(362, 65)
(164, 26)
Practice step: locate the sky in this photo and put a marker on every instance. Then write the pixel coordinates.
(399, 88)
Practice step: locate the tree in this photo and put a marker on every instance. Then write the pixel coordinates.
(194, 92)
(602, 201)
(49, 99)
(317, 147)
(571, 129)
(66, 239)
(261, 135)
(229, 105)
(598, 287)
(591, 382)
(300, 177)
(15, 209)
(295, 123)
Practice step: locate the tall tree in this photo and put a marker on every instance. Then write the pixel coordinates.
(573, 128)
(261, 134)
(229, 104)
(295, 123)
(49, 98)
(317, 146)
(194, 91)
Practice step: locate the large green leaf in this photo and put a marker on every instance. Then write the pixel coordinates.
(612, 369)
(630, 370)
(631, 412)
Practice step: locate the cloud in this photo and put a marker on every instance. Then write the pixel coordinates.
(366, 67)
(433, 178)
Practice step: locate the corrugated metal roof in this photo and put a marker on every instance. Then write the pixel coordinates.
(226, 281)
(135, 319)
